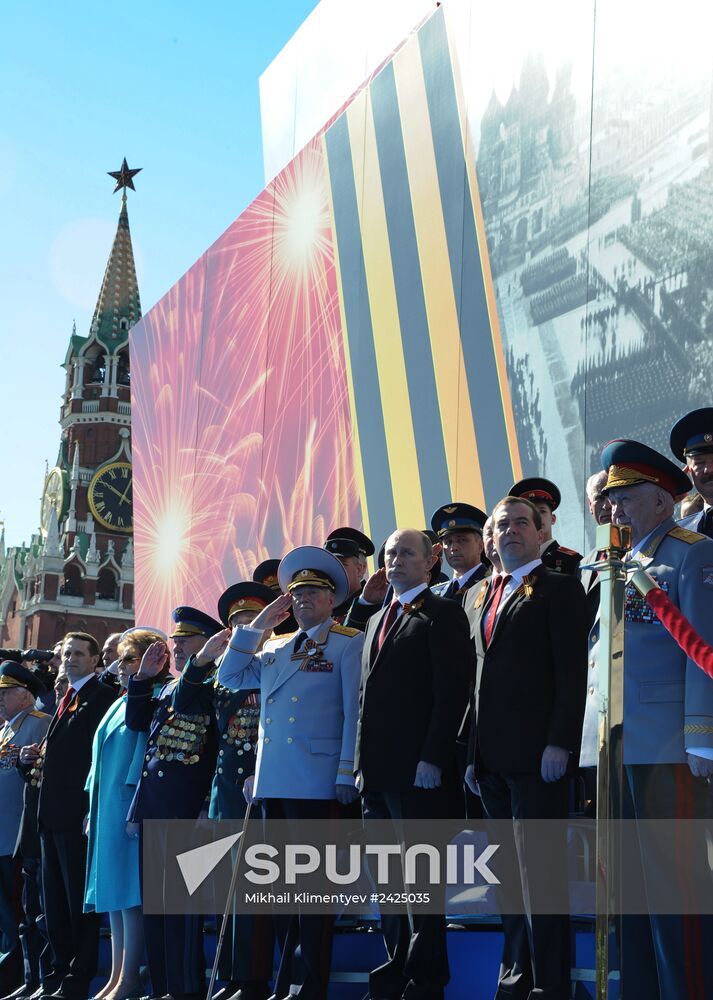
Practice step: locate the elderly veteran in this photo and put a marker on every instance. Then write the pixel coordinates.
(175, 780)
(692, 443)
(20, 724)
(246, 958)
(668, 719)
(309, 689)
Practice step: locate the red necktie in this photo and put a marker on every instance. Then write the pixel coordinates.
(495, 598)
(389, 619)
(68, 695)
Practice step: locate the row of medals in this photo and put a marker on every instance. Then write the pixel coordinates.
(182, 737)
(9, 755)
(242, 728)
(36, 770)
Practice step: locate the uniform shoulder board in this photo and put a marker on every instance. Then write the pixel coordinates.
(684, 535)
(569, 552)
(278, 641)
(37, 714)
(344, 630)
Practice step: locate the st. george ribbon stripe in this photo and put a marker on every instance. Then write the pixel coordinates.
(466, 268)
(359, 332)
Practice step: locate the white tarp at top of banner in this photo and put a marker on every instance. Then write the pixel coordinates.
(325, 61)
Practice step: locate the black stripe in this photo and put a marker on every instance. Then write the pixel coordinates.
(466, 270)
(360, 334)
(413, 322)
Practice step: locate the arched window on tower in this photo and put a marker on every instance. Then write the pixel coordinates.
(72, 586)
(95, 367)
(106, 585)
(123, 375)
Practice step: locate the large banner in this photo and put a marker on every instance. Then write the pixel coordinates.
(493, 260)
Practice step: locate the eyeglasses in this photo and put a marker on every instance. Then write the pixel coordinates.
(128, 659)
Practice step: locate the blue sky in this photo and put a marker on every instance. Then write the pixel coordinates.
(173, 86)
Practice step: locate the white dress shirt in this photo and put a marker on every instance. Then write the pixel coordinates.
(80, 682)
(464, 577)
(408, 597)
(515, 580)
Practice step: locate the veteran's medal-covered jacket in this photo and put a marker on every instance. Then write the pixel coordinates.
(180, 753)
(668, 700)
(30, 726)
(309, 707)
(237, 717)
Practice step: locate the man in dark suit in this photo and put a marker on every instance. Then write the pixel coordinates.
(59, 767)
(530, 628)
(459, 528)
(417, 666)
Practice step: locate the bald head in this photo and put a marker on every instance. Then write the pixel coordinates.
(408, 558)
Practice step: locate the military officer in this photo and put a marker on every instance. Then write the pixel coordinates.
(246, 957)
(668, 719)
(692, 443)
(547, 498)
(352, 548)
(174, 784)
(20, 725)
(309, 687)
(600, 509)
(266, 573)
(459, 527)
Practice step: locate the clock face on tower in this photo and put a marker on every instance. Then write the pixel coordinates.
(53, 496)
(110, 497)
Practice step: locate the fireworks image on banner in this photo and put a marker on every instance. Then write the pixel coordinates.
(242, 430)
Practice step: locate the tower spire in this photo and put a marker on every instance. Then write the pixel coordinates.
(119, 305)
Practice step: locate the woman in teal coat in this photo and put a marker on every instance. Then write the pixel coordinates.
(112, 883)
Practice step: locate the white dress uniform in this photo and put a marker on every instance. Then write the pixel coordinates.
(309, 707)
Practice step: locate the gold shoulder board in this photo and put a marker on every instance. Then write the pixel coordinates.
(281, 640)
(684, 535)
(344, 630)
(38, 715)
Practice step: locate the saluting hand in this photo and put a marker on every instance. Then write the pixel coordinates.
(274, 614)
(213, 648)
(153, 661)
(375, 587)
